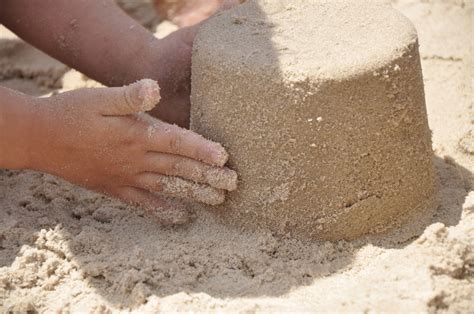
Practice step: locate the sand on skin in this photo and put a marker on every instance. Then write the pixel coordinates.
(65, 248)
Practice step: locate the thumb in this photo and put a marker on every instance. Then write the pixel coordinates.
(137, 97)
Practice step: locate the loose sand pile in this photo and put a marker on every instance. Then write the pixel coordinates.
(325, 121)
(63, 248)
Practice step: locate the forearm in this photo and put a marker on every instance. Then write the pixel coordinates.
(16, 123)
(94, 37)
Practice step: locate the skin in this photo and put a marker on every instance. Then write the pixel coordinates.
(100, 138)
(186, 12)
(105, 56)
(114, 148)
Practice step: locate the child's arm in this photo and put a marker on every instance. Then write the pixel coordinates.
(100, 40)
(97, 138)
(16, 124)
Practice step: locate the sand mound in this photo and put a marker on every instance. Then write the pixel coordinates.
(325, 121)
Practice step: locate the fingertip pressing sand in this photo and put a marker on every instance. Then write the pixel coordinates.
(325, 121)
(226, 180)
(149, 93)
(180, 188)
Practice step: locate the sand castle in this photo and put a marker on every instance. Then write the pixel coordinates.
(321, 106)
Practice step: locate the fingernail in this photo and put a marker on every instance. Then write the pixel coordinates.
(219, 155)
(225, 179)
(149, 94)
(209, 196)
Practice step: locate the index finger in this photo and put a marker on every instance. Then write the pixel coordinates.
(172, 139)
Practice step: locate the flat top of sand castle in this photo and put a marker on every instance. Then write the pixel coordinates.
(326, 39)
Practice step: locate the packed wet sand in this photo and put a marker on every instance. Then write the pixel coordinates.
(311, 114)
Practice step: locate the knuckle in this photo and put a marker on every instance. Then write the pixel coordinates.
(126, 96)
(134, 134)
(201, 154)
(151, 183)
(140, 125)
(175, 144)
(117, 192)
(168, 165)
(158, 185)
(174, 165)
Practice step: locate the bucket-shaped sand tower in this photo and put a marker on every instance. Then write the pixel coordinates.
(321, 107)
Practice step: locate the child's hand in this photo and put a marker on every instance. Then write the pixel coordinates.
(170, 63)
(99, 139)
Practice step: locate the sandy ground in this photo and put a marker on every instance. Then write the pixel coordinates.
(66, 249)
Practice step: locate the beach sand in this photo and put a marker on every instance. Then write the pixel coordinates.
(66, 249)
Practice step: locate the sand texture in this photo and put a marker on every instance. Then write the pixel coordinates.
(325, 122)
(63, 249)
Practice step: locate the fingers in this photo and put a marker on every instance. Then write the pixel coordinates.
(137, 97)
(171, 139)
(180, 188)
(155, 206)
(172, 165)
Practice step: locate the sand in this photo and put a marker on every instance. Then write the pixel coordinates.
(325, 122)
(65, 249)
